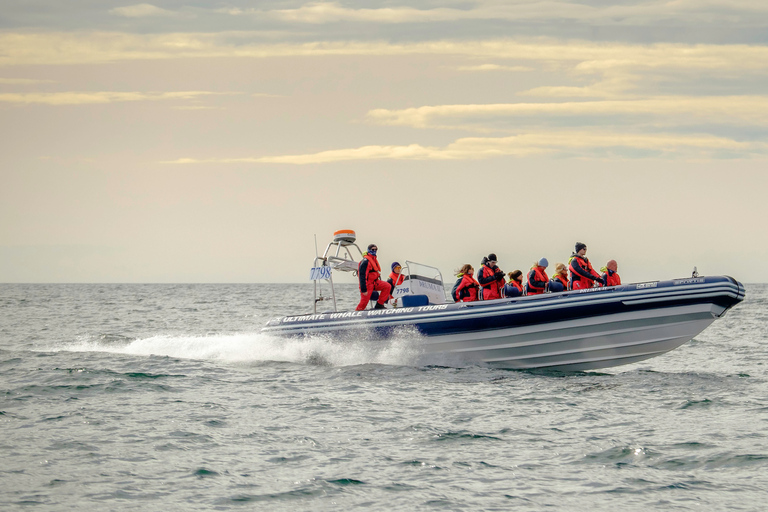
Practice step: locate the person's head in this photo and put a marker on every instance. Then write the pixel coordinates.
(516, 275)
(543, 263)
(559, 268)
(372, 249)
(396, 268)
(491, 259)
(465, 269)
(581, 248)
(612, 265)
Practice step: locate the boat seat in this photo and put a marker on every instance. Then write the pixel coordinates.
(412, 301)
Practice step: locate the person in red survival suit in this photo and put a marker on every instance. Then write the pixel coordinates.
(369, 276)
(538, 281)
(491, 279)
(466, 287)
(610, 276)
(514, 288)
(582, 273)
(559, 281)
(395, 278)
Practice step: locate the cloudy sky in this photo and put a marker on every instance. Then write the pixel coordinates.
(207, 141)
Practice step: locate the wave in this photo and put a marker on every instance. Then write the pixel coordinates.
(404, 349)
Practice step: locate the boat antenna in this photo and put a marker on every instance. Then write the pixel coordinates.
(321, 298)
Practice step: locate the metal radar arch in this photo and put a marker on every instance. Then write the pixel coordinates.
(339, 255)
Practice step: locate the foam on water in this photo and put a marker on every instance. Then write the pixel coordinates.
(403, 349)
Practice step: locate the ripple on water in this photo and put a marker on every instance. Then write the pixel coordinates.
(151, 376)
(620, 455)
(277, 497)
(697, 404)
(346, 481)
(716, 461)
(419, 463)
(463, 435)
(205, 473)
(284, 460)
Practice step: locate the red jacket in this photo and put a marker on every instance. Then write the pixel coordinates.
(537, 280)
(562, 279)
(612, 278)
(582, 273)
(492, 282)
(468, 287)
(368, 272)
(396, 279)
(516, 284)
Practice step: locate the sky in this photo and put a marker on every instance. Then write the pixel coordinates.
(207, 141)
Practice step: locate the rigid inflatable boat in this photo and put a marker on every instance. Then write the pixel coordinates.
(573, 330)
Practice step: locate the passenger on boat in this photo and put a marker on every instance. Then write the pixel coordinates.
(395, 278)
(538, 281)
(582, 273)
(559, 281)
(466, 287)
(369, 276)
(491, 278)
(610, 276)
(514, 288)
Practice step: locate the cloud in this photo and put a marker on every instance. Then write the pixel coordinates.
(610, 63)
(575, 143)
(195, 107)
(644, 13)
(85, 98)
(494, 67)
(24, 81)
(742, 110)
(141, 11)
(584, 57)
(333, 12)
(329, 12)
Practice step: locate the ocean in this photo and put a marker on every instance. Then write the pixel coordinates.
(167, 397)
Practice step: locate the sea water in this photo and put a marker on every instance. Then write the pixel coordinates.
(167, 397)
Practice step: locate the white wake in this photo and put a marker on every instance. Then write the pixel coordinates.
(405, 349)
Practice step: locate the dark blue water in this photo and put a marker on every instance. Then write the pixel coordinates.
(166, 397)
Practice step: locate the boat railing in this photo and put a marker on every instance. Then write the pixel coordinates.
(338, 255)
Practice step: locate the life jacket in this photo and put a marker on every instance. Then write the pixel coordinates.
(465, 289)
(538, 274)
(561, 279)
(493, 289)
(612, 278)
(373, 272)
(397, 279)
(516, 285)
(578, 281)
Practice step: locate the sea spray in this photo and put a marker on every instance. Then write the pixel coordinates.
(403, 349)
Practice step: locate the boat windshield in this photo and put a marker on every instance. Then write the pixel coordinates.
(421, 279)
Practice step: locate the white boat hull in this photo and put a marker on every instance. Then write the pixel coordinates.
(583, 344)
(570, 331)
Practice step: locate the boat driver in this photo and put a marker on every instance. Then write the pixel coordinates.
(369, 277)
(582, 273)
